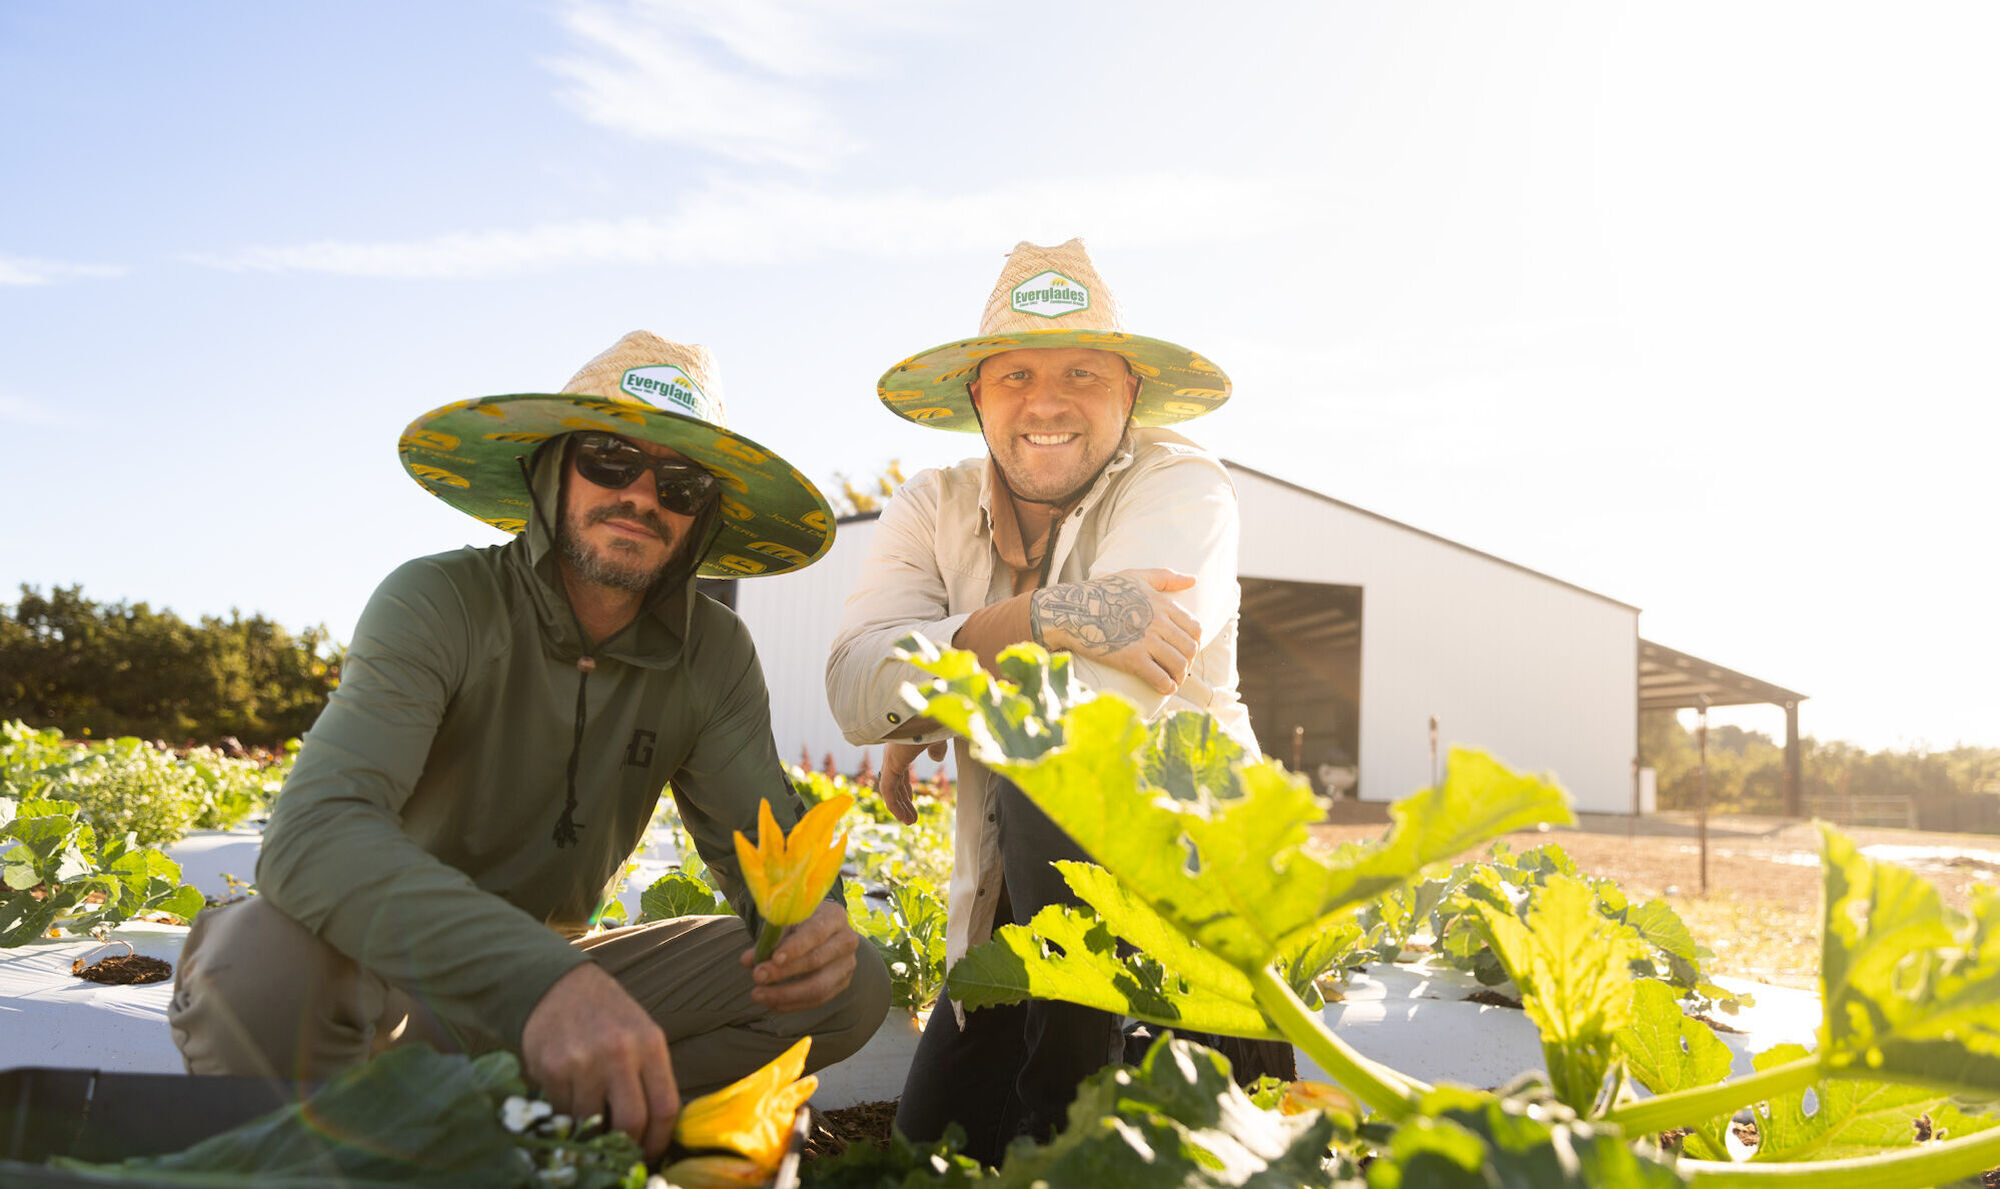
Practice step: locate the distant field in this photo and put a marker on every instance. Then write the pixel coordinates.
(1761, 914)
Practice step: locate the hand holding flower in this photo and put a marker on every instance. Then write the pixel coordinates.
(805, 952)
(789, 877)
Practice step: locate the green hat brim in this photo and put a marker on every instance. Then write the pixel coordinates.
(469, 455)
(929, 387)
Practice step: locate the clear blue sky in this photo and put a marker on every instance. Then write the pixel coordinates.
(1689, 305)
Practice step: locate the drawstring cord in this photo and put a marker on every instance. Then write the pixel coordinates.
(567, 825)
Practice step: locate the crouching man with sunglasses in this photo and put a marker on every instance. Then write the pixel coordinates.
(504, 725)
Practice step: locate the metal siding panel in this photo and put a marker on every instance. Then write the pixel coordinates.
(793, 617)
(1537, 673)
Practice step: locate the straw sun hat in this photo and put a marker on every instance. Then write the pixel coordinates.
(469, 453)
(1051, 297)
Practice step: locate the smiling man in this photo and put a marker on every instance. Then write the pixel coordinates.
(506, 720)
(1088, 529)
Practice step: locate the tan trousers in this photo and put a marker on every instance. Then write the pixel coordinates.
(257, 994)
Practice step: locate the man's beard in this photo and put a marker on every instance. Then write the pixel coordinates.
(602, 569)
(1058, 489)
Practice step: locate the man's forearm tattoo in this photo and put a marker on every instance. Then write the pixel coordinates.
(1098, 617)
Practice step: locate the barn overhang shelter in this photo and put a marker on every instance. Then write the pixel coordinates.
(1674, 680)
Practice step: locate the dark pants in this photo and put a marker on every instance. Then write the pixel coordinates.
(1010, 1070)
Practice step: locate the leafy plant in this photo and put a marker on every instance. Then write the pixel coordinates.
(1212, 871)
(127, 786)
(410, 1116)
(903, 916)
(413, 1116)
(233, 790)
(908, 930)
(1453, 908)
(678, 894)
(895, 1164)
(52, 874)
(883, 850)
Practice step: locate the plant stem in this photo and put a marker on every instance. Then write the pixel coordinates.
(1383, 1089)
(1687, 1107)
(767, 940)
(1908, 1168)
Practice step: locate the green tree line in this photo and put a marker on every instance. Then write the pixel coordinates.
(1958, 789)
(112, 669)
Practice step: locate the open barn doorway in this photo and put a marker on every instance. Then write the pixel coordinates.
(1298, 655)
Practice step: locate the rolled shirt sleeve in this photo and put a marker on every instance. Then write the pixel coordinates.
(1176, 513)
(903, 589)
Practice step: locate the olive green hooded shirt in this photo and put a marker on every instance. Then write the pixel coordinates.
(417, 832)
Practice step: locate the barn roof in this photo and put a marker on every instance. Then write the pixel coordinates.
(1359, 511)
(1233, 465)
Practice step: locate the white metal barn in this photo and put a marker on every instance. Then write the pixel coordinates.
(1349, 649)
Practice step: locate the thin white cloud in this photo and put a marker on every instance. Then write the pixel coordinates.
(735, 224)
(16, 411)
(735, 79)
(23, 270)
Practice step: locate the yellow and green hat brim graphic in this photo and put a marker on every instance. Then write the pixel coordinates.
(467, 454)
(929, 388)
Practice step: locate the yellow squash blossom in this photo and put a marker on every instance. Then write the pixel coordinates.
(1303, 1096)
(715, 1172)
(751, 1117)
(789, 877)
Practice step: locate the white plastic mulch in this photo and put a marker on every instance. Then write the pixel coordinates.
(1411, 1017)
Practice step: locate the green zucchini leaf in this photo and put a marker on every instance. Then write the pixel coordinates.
(1236, 873)
(1911, 990)
(1572, 967)
(1176, 1121)
(1666, 1050)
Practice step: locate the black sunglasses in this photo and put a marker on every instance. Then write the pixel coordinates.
(610, 461)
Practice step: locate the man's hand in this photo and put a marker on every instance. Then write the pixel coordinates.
(591, 1048)
(811, 965)
(1124, 620)
(894, 782)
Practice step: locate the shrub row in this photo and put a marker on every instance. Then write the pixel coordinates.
(111, 669)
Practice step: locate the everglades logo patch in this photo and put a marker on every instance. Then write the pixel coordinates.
(1050, 295)
(668, 386)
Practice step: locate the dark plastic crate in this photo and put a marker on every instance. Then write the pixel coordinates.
(105, 1117)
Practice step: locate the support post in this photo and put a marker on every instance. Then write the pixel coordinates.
(1435, 777)
(1701, 736)
(1794, 763)
(1632, 823)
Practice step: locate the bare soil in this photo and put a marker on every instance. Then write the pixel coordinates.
(862, 1123)
(1760, 912)
(123, 970)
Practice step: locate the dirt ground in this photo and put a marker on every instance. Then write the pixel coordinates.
(1761, 911)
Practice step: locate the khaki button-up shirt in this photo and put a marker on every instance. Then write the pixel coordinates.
(1163, 502)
